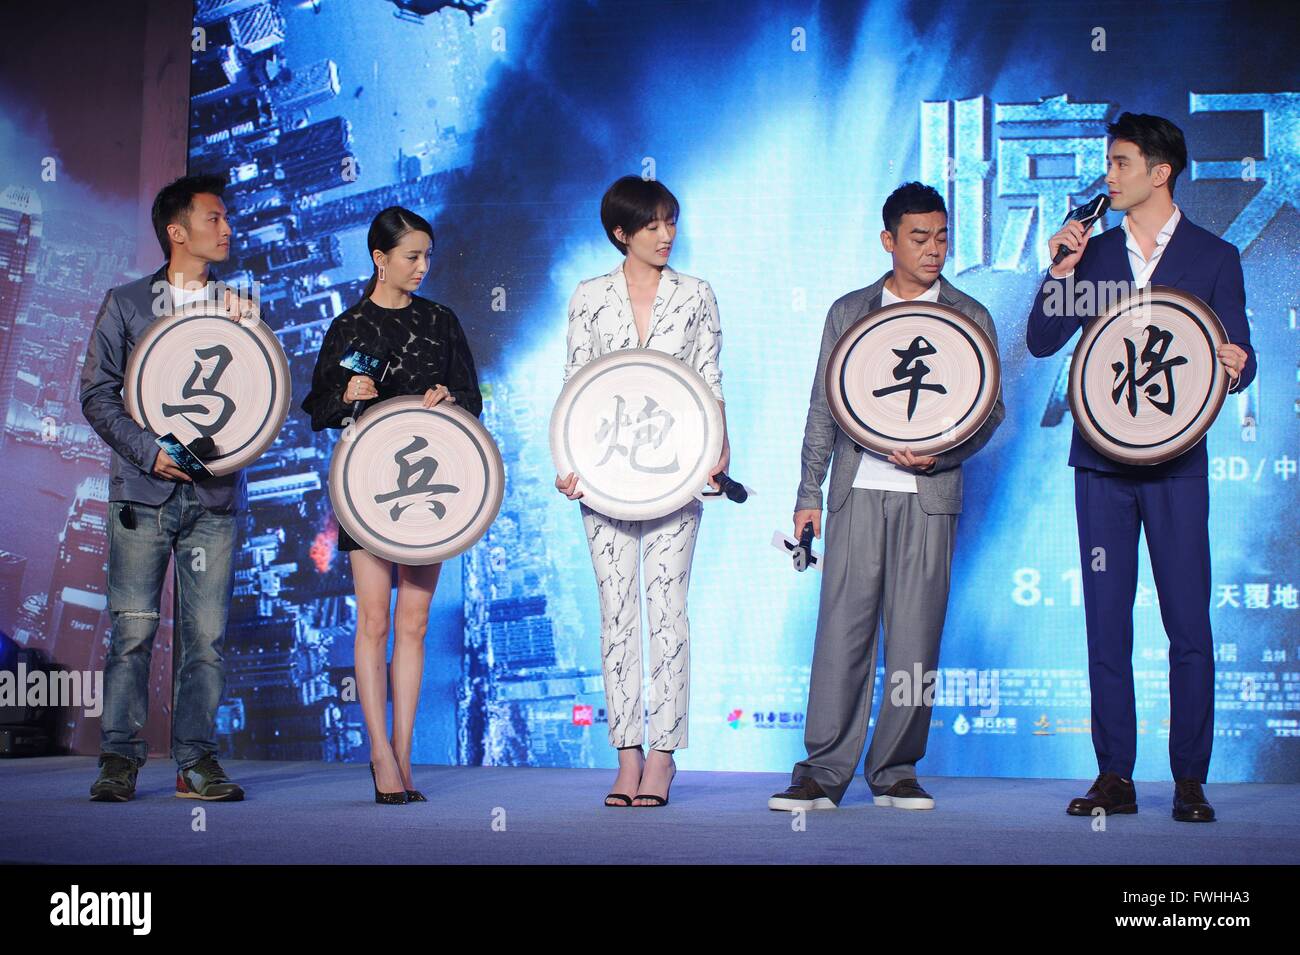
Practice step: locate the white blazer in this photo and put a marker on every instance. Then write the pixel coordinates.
(683, 322)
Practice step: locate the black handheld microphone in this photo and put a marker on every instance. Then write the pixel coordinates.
(734, 490)
(1087, 214)
(803, 555)
(202, 446)
(363, 363)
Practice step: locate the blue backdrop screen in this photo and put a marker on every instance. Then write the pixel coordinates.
(781, 130)
(781, 127)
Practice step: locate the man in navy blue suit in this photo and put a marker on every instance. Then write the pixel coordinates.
(1156, 244)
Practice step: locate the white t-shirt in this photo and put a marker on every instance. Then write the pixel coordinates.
(182, 297)
(876, 472)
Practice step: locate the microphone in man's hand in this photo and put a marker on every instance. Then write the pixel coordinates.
(1086, 214)
(803, 555)
(734, 490)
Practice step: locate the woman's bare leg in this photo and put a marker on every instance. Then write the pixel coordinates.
(372, 578)
(415, 588)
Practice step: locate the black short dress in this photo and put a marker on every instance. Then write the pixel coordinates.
(424, 345)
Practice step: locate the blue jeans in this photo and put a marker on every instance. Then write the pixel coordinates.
(204, 544)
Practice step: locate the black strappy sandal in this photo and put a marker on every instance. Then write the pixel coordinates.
(626, 799)
(658, 800)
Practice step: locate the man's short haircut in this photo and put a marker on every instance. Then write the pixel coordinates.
(633, 203)
(911, 198)
(1157, 139)
(176, 201)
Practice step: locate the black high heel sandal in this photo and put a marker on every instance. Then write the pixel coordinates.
(398, 798)
(658, 800)
(627, 800)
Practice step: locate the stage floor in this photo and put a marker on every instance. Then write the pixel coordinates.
(324, 813)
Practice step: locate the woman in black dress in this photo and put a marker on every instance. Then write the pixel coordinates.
(427, 354)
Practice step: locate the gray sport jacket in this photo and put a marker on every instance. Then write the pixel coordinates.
(939, 490)
(126, 313)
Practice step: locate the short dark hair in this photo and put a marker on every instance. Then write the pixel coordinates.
(176, 201)
(1157, 139)
(632, 203)
(910, 198)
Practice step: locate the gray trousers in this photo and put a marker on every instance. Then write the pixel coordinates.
(888, 561)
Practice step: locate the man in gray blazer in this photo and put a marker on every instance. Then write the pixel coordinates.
(889, 544)
(155, 510)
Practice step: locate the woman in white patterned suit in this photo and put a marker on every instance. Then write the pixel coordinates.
(644, 303)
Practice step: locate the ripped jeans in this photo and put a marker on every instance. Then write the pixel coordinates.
(204, 544)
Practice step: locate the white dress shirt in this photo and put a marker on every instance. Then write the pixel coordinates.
(874, 471)
(1142, 266)
(683, 323)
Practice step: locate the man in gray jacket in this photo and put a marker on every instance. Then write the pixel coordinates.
(889, 544)
(155, 510)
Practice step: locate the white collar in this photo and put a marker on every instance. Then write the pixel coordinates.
(1162, 237)
(666, 273)
(184, 296)
(929, 295)
(668, 284)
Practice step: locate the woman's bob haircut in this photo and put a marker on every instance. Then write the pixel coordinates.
(632, 203)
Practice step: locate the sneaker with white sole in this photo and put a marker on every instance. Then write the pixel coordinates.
(905, 794)
(803, 793)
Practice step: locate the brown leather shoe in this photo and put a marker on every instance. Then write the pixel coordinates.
(1190, 804)
(803, 793)
(1110, 793)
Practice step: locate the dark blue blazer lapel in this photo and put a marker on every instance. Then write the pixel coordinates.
(1114, 256)
(1177, 257)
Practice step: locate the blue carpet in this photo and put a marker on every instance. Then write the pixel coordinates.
(324, 813)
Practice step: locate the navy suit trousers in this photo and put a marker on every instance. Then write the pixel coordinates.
(1112, 509)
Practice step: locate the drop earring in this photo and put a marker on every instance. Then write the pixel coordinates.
(381, 273)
